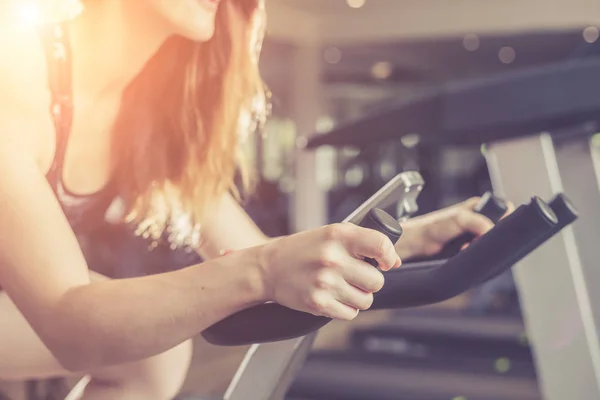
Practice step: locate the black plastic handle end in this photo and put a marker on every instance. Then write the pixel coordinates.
(383, 222)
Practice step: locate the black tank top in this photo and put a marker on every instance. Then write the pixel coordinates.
(113, 250)
(84, 212)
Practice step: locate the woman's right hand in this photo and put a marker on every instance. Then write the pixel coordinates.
(322, 271)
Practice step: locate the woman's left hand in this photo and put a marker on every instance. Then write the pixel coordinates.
(427, 235)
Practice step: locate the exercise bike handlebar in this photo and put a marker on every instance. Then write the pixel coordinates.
(273, 322)
(566, 214)
(412, 285)
(508, 242)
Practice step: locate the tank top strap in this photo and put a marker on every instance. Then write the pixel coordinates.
(57, 49)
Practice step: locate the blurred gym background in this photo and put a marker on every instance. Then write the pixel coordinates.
(328, 61)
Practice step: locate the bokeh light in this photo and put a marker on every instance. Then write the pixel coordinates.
(471, 42)
(34, 12)
(507, 55)
(591, 34)
(28, 13)
(355, 3)
(333, 55)
(382, 70)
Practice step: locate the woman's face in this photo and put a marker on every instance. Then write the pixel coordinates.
(193, 19)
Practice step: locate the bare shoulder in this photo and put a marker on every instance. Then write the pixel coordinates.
(22, 61)
(23, 83)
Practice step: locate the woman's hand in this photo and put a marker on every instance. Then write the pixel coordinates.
(427, 235)
(322, 271)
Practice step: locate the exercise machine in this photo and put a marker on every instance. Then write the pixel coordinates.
(423, 364)
(490, 110)
(506, 112)
(269, 368)
(538, 127)
(435, 333)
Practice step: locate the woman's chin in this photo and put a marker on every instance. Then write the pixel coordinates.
(197, 35)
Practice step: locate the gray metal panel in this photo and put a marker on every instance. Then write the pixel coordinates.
(579, 164)
(557, 306)
(263, 368)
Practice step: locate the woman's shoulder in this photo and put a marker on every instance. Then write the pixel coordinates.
(23, 67)
(23, 77)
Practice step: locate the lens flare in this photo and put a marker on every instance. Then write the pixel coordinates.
(28, 13)
(36, 12)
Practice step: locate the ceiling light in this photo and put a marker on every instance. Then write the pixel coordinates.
(333, 55)
(507, 55)
(591, 34)
(471, 42)
(410, 140)
(301, 142)
(355, 3)
(325, 124)
(382, 70)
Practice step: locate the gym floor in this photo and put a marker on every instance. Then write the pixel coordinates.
(213, 366)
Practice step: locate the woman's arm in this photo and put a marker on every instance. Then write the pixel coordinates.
(94, 324)
(228, 228)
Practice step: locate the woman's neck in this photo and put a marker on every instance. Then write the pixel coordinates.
(112, 41)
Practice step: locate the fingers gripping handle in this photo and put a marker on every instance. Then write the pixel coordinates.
(273, 322)
(415, 284)
(489, 206)
(383, 222)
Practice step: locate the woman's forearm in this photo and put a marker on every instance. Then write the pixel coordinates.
(119, 321)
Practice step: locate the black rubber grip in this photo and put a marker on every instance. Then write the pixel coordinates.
(565, 210)
(565, 213)
(265, 323)
(273, 322)
(383, 222)
(500, 248)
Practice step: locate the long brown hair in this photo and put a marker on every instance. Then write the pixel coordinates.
(182, 122)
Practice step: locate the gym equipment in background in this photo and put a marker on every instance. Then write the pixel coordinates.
(434, 345)
(539, 128)
(268, 369)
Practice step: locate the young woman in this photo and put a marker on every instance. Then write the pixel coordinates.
(146, 102)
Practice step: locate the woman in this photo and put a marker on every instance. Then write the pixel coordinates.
(147, 99)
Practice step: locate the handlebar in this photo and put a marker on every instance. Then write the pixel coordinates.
(565, 212)
(510, 240)
(415, 284)
(273, 322)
